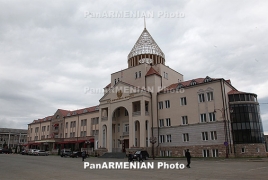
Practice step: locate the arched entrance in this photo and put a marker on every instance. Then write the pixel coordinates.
(120, 130)
(137, 134)
(104, 136)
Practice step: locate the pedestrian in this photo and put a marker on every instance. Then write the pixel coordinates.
(83, 155)
(188, 156)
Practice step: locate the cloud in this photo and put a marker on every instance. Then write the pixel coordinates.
(50, 53)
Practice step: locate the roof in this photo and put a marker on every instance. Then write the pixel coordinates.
(145, 45)
(108, 86)
(83, 111)
(151, 72)
(238, 92)
(189, 83)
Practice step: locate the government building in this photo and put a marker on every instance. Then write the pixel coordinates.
(150, 106)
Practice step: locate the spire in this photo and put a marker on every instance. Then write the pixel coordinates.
(144, 23)
(145, 45)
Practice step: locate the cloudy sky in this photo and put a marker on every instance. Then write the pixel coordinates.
(50, 52)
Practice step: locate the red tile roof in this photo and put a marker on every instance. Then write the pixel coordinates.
(108, 86)
(186, 83)
(152, 71)
(236, 92)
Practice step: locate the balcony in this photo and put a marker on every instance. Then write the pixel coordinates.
(104, 118)
(125, 133)
(137, 113)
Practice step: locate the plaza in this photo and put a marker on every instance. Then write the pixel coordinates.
(52, 167)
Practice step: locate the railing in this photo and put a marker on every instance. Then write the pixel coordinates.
(125, 133)
(104, 118)
(137, 113)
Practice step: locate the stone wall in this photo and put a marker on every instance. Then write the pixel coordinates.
(250, 150)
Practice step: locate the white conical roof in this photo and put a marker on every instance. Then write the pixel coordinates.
(145, 45)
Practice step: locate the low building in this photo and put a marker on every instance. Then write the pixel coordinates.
(13, 138)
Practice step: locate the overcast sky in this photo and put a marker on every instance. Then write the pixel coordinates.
(50, 52)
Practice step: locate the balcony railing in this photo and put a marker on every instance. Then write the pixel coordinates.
(104, 118)
(137, 113)
(125, 133)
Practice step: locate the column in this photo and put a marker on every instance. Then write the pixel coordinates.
(109, 132)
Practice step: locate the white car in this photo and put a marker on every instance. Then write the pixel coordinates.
(31, 151)
(40, 153)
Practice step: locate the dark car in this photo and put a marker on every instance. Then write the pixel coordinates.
(144, 154)
(76, 154)
(65, 153)
(5, 151)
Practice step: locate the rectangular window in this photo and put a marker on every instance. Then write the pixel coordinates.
(168, 153)
(185, 137)
(160, 105)
(183, 101)
(210, 96)
(213, 135)
(136, 75)
(167, 104)
(71, 135)
(65, 135)
(215, 153)
(162, 153)
(203, 118)
(118, 127)
(201, 97)
(184, 120)
(205, 153)
(161, 139)
(168, 122)
(169, 138)
(126, 128)
(243, 150)
(114, 81)
(139, 74)
(204, 136)
(212, 116)
(66, 125)
(161, 122)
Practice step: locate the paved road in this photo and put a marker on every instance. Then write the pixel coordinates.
(19, 167)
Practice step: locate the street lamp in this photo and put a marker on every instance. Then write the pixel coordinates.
(153, 141)
(226, 144)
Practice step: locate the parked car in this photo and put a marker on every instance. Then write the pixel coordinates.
(40, 153)
(31, 151)
(65, 153)
(24, 152)
(145, 155)
(76, 154)
(5, 151)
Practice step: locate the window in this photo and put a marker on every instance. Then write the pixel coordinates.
(118, 127)
(204, 136)
(83, 122)
(168, 122)
(185, 137)
(65, 135)
(201, 97)
(117, 79)
(162, 153)
(192, 83)
(213, 135)
(210, 96)
(183, 101)
(66, 124)
(139, 74)
(243, 150)
(161, 122)
(184, 120)
(160, 105)
(205, 153)
(47, 127)
(203, 118)
(114, 81)
(168, 153)
(161, 139)
(136, 75)
(146, 125)
(126, 128)
(258, 150)
(215, 153)
(169, 138)
(126, 113)
(136, 142)
(167, 104)
(212, 116)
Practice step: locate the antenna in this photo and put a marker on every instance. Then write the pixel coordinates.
(144, 23)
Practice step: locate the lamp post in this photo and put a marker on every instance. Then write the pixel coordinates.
(226, 144)
(153, 141)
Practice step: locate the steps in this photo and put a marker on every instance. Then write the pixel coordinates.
(117, 155)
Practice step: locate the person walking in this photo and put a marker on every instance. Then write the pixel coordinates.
(188, 156)
(83, 155)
